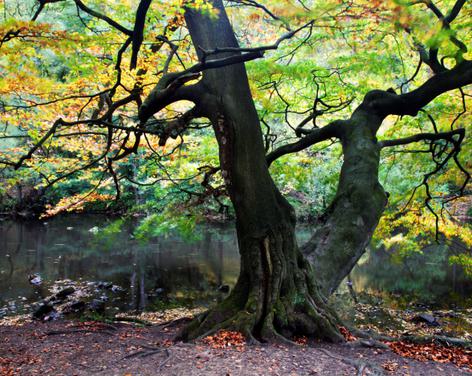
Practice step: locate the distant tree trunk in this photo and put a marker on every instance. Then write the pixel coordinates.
(276, 294)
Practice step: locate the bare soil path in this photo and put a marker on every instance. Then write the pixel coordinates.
(94, 348)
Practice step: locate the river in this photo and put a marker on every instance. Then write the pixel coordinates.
(172, 271)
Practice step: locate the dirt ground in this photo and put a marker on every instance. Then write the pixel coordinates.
(94, 348)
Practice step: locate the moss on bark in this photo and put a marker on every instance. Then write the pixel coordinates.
(272, 303)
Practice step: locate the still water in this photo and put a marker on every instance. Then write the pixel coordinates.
(166, 271)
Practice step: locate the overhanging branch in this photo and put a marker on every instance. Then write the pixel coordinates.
(261, 49)
(166, 90)
(385, 103)
(103, 17)
(423, 137)
(332, 130)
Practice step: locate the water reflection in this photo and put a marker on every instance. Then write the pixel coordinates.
(169, 270)
(155, 272)
(425, 279)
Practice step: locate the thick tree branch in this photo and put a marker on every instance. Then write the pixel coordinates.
(447, 20)
(169, 89)
(299, 130)
(139, 30)
(170, 85)
(42, 3)
(224, 62)
(331, 130)
(455, 10)
(172, 128)
(103, 17)
(385, 103)
(423, 137)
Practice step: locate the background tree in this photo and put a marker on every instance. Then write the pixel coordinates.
(281, 289)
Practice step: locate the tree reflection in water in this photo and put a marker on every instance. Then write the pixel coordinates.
(169, 271)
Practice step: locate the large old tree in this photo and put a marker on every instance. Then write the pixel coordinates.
(282, 288)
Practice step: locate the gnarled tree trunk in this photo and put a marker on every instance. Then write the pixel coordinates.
(276, 294)
(281, 290)
(347, 226)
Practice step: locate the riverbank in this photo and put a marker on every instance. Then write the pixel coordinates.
(83, 348)
(90, 253)
(88, 268)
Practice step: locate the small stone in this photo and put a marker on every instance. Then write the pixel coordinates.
(428, 319)
(43, 310)
(223, 288)
(53, 315)
(104, 285)
(116, 288)
(97, 305)
(64, 293)
(35, 279)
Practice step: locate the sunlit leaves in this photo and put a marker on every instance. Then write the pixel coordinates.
(75, 203)
(464, 260)
(353, 47)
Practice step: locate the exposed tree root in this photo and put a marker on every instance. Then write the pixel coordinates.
(149, 351)
(132, 320)
(145, 352)
(107, 325)
(360, 365)
(443, 340)
(370, 343)
(70, 331)
(278, 324)
(276, 297)
(171, 323)
(163, 363)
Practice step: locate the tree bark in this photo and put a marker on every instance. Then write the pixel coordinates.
(276, 295)
(347, 226)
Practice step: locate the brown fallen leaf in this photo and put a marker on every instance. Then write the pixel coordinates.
(390, 366)
(434, 352)
(225, 338)
(347, 334)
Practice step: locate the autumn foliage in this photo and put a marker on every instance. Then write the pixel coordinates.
(431, 351)
(226, 339)
(423, 352)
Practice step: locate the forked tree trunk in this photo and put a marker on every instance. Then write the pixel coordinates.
(281, 290)
(276, 294)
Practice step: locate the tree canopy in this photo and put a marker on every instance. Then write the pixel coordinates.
(359, 107)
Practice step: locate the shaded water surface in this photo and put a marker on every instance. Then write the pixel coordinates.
(166, 271)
